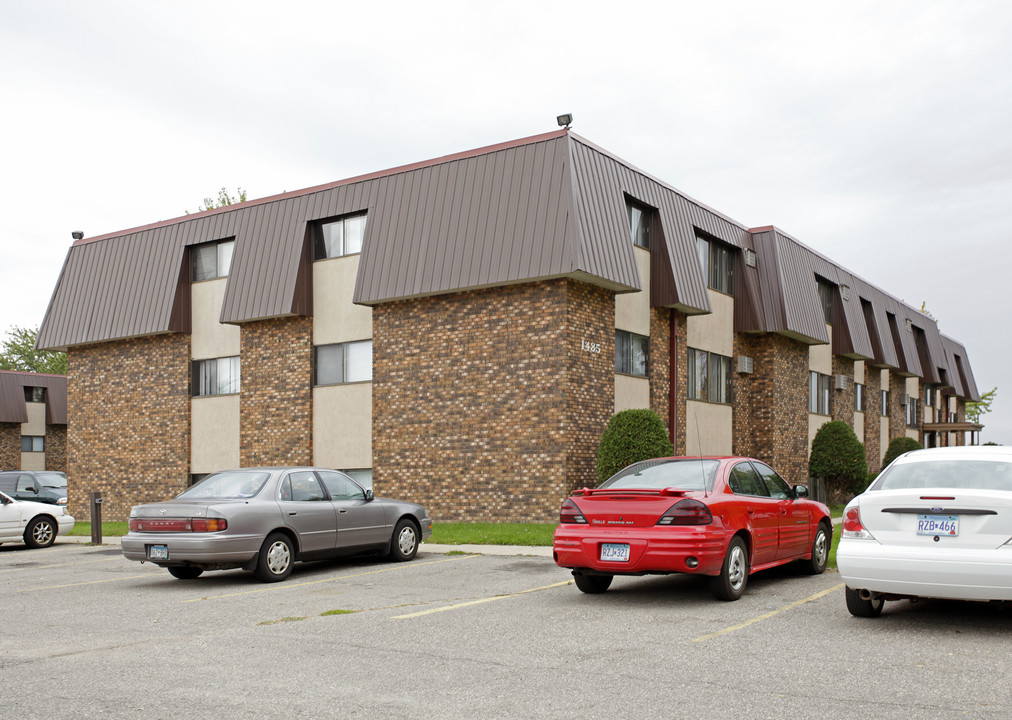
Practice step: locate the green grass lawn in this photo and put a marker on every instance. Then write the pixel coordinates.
(109, 529)
(493, 533)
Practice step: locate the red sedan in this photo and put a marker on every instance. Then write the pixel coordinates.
(726, 517)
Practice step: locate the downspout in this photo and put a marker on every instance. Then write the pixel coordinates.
(673, 378)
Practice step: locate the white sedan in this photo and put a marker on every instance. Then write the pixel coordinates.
(34, 524)
(935, 524)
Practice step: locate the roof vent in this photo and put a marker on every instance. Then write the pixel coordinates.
(745, 364)
(750, 257)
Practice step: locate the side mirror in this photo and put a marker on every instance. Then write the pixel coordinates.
(800, 491)
(369, 494)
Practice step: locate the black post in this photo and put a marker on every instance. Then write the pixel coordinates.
(96, 518)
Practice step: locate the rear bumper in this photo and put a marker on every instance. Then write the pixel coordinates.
(651, 550)
(194, 549)
(974, 574)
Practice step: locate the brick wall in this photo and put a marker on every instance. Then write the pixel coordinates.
(128, 405)
(843, 400)
(56, 448)
(681, 380)
(487, 405)
(659, 364)
(10, 446)
(897, 409)
(276, 396)
(872, 418)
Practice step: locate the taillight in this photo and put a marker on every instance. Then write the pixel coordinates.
(178, 524)
(208, 524)
(570, 513)
(687, 512)
(852, 525)
(135, 525)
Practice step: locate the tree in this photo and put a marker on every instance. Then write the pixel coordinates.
(977, 408)
(224, 200)
(17, 352)
(898, 446)
(631, 436)
(838, 458)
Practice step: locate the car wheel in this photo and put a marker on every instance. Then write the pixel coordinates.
(858, 607)
(40, 533)
(816, 565)
(592, 584)
(404, 543)
(730, 584)
(185, 572)
(276, 557)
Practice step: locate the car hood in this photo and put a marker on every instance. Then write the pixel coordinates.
(30, 508)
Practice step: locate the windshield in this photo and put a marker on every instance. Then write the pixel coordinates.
(232, 484)
(52, 480)
(659, 474)
(955, 474)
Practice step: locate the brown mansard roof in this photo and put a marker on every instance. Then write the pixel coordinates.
(12, 396)
(547, 206)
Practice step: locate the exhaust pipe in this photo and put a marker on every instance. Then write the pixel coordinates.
(867, 595)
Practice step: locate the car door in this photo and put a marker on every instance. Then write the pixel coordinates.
(359, 521)
(763, 515)
(10, 518)
(795, 517)
(307, 510)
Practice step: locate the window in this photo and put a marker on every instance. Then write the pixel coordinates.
(858, 397)
(818, 393)
(709, 376)
(631, 353)
(776, 485)
(929, 396)
(639, 223)
(219, 376)
(26, 483)
(745, 481)
(340, 486)
(885, 403)
(718, 268)
(343, 363)
(302, 486)
(33, 443)
(912, 410)
(826, 292)
(35, 394)
(340, 237)
(212, 260)
(362, 477)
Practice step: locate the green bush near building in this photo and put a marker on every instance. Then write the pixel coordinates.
(898, 446)
(838, 458)
(631, 436)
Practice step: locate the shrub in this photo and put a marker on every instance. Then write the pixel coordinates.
(838, 458)
(631, 436)
(898, 446)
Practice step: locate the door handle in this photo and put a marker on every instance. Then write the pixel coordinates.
(342, 511)
(292, 512)
(751, 511)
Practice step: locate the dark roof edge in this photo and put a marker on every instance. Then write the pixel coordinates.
(31, 373)
(327, 186)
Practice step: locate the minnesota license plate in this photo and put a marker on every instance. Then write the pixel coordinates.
(614, 552)
(938, 525)
(158, 552)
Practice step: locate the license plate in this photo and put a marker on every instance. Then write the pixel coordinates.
(158, 552)
(938, 525)
(614, 552)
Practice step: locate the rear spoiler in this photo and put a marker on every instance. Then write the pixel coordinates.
(663, 492)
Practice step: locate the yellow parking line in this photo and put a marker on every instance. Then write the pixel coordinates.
(289, 586)
(479, 602)
(90, 582)
(768, 615)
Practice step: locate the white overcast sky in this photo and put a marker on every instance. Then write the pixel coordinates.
(878, 133)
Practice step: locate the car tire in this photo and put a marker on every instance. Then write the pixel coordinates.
(277, 555)
(40, 533)
(592, 584)
(404, 542)
(816, 565)
(730, 584)
(185, 572)
(859, 607)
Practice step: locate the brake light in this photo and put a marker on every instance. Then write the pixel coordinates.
(852, 525)
(687, 512)
(208, 524)
(570, 513)
(178, 524)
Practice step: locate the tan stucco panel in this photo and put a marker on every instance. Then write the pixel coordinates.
(883, 437)
(820, 357)
(859, 425)
(335, 318)
(210, 338)
(342, 426)
(814, 423)
(214, 442)
(33, 461)
(632, 310)
(708, 428)
(631, 393)
(36, 424)
(859, 372)
(713, 332)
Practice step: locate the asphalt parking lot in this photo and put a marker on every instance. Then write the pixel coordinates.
(87, 633)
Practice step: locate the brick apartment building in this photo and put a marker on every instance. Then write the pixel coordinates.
(459, 332)
(33, 421)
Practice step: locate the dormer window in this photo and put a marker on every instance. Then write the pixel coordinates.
(639, 223)
(340, 237)
(212, 260)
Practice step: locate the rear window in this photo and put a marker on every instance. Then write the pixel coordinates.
(955, 474)
(226, 485)
(659, 474)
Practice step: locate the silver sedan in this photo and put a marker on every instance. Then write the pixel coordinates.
(264, 519)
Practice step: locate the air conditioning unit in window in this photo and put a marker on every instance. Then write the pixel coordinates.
(745, 364)
(906, 399)
(750, 258)
(842, 381)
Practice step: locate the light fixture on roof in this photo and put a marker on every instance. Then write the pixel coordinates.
(77, 235)
(565, 120)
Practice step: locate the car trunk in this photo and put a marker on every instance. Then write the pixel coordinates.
(626, 509)
(957, 518)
